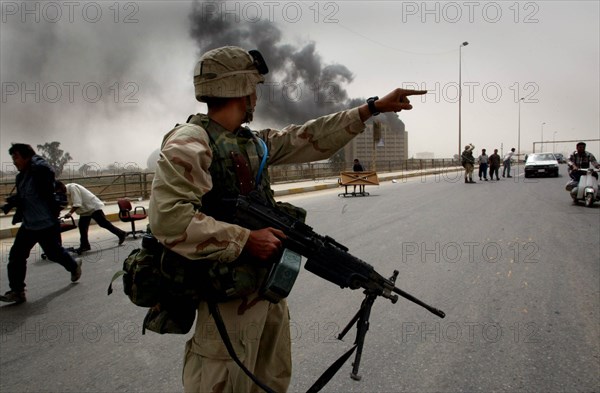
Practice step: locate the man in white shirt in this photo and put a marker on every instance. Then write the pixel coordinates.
(88, 207)
(506, 162)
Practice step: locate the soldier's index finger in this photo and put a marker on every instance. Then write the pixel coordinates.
(413, 92)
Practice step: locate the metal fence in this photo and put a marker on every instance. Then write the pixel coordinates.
(137, 185)
(134, 185)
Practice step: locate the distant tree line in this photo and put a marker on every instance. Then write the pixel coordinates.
(58, 159)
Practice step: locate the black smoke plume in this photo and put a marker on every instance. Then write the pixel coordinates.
(299, 87)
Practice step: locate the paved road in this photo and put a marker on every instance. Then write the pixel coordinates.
(513, 264)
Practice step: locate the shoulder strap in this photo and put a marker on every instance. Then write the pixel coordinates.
(198, 120)
(214, 310)
(261, 150)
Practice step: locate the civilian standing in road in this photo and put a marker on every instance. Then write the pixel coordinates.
(494, 161)
(507, 161)
(483, 164)
(357, 167)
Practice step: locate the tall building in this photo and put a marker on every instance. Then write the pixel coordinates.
(392, 144)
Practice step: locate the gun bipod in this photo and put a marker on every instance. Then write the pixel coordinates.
(361, 319)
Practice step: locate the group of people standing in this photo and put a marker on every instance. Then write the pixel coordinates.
(492, 162)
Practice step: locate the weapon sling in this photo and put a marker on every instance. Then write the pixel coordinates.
(321, 381)
(214, 310)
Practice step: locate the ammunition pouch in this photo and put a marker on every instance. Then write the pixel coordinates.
(297, 212)
(172, 285)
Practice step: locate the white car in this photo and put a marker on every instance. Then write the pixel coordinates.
(539, 164)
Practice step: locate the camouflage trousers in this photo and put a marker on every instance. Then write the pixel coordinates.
(260, 334)
(469, 170)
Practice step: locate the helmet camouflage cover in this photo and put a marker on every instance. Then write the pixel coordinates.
(228, 72)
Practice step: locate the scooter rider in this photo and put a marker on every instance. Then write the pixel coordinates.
(580, 159)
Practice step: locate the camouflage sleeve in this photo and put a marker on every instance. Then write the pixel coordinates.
(181, 179)
(316, 139)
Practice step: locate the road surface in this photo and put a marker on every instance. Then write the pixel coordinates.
(513, 264)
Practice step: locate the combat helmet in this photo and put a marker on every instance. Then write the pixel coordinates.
(228, 72)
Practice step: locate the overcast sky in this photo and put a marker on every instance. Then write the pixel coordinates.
(108, 79)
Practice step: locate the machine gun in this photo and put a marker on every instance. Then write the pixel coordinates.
(331, 261)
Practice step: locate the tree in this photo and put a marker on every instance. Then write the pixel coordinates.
(56, 157)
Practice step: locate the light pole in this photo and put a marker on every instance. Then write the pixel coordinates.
(542, 146)
(554, 141)
(519, 132)
(460, 94)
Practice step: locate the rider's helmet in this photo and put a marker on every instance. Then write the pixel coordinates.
(228, 72)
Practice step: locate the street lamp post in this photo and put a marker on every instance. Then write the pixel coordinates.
(460, 94)
(542, 146)
(554, 142)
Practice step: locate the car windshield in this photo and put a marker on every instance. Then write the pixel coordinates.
(542, 157)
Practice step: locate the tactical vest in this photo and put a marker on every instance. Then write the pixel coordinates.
(234, 170)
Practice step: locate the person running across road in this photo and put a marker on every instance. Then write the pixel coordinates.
(88, 206)
(37, 210)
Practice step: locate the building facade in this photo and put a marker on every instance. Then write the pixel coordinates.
(391, 144)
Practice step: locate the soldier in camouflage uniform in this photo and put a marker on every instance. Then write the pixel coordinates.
(468, 162)
(213, 157)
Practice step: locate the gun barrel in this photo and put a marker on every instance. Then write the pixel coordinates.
(426, 306)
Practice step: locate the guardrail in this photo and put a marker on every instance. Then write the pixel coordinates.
(137, 185)
(134, 185)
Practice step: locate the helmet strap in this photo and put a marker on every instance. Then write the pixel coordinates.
(249, 110)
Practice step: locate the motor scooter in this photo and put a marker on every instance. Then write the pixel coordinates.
(586, 189)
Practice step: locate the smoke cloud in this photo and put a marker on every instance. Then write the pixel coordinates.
(108, 79)
(96, 77)
(299, 85)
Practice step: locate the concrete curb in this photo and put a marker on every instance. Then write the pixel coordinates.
(382, 178)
